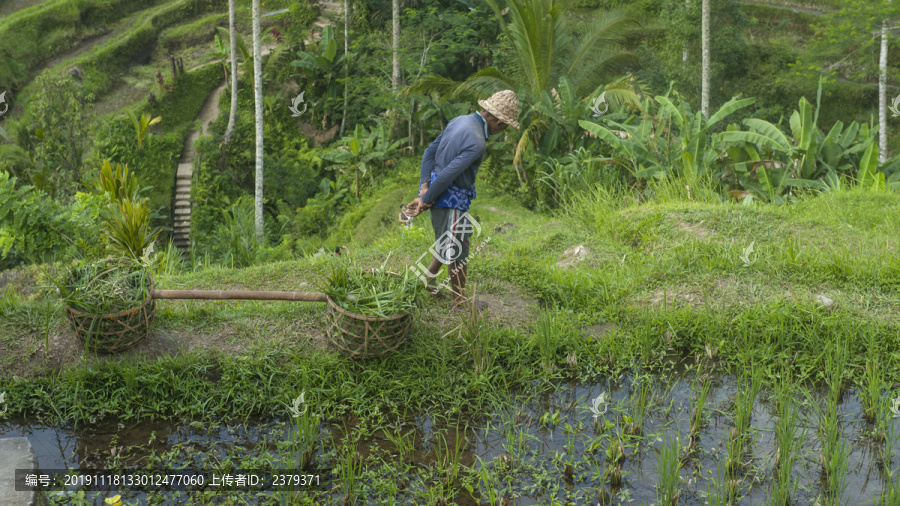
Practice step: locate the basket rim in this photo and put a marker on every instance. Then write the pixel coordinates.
(357, 316)
(132, 310)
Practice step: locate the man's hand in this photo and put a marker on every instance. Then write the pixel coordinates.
(416, 207)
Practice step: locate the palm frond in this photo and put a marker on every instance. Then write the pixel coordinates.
(483, 82)
(432, 83)
(603, 67)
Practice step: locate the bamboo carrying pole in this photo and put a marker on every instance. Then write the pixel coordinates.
(238, 294)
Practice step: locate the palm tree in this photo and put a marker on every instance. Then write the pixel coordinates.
(395, 76)
(346, 62)
(547, 51)
(233, 114)
(882, 93)
(258, 94)
(704, 84)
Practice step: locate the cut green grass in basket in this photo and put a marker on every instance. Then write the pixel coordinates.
(105, 286)
(375, 292)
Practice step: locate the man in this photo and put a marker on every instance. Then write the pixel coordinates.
(447, 185)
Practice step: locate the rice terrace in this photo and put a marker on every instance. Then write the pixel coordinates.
(435, 252)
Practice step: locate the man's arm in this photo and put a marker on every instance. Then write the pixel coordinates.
(469, 153)
(428, 162)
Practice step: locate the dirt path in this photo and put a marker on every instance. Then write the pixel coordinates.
(814, 10)
(10, 7)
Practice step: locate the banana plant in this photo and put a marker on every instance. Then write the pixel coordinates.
(141, 125)
(674, 135)
(808, 158)
(362, 150)
(349, 153)
(700, 149)
(223, 50)
(322, 68)
(632, 146)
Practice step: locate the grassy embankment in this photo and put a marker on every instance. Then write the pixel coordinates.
(668, 276)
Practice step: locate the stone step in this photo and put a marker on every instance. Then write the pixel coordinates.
(16, 453)
(184, 202)
(184, 170)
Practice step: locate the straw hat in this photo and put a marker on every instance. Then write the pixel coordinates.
(504, 105)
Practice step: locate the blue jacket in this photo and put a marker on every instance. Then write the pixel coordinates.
(454, 157)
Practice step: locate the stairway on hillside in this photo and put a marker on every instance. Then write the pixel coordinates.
(181, 233)
(181, 230)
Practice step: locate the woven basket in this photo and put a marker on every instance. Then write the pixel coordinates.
(359, 336)
(114, 332)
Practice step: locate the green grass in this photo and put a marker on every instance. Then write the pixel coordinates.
(668, 273)
(199, 32)
(32, 35)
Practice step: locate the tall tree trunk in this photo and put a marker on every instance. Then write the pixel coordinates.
(233, 114)
(684, 51)
(412, 112)
(882, 94)
(258, 95)
(395, 77)
(704, 90)
(346, 62)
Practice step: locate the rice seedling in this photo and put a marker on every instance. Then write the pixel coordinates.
(668, 467)
(373, 293)
(615, 452)
(105, 286)
(722, 490)
(349, 472)
(872, 391)
(891, 435)
(743, 409)
(697, 413)
(834, 451)
(404, 443)
(546, 341)
(447, 458)
(488, 483)
(787, 439)
(836, 359)
(304, 437)
(639, 403)
(890, 495)
(478, 342)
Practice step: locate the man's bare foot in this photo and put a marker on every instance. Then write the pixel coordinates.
(465, 305)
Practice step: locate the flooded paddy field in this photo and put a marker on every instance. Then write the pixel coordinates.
(682, 438)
